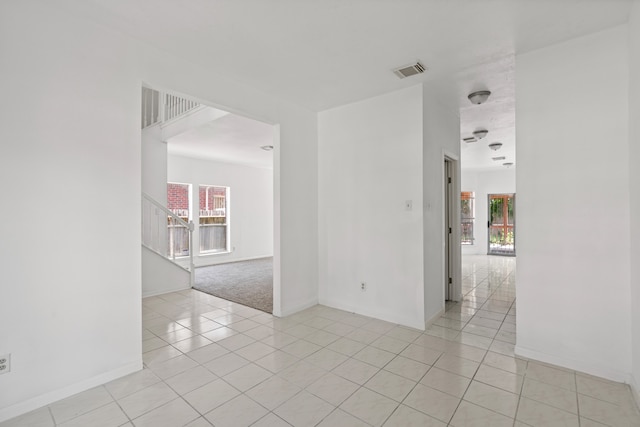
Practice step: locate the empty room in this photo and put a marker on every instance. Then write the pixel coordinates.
(418, 277)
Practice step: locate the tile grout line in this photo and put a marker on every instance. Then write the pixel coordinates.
(172, 307)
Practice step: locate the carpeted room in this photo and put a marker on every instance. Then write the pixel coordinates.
(248, 283)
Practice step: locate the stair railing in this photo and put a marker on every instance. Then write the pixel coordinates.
(166, 234)
(161, 107)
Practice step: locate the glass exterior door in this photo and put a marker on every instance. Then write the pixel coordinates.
(501, 224)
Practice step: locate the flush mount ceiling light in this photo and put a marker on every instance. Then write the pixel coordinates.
(495, 146)
(508, 164)
(479, 97)
(470, 139)
(267, 147)
(480, 133)
(498, 158)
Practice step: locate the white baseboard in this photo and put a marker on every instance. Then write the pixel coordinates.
(55, 395)
(298, 307)
(576, 365)
(430, 322)
(168, 291)
(376, 314)
(635, 390)
(221, 260)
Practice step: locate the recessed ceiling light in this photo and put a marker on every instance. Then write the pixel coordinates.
(469, 139)
(479, 97)
(508, 164)
(480, 133)
(495, 145)
(498, 158)
(267, 147)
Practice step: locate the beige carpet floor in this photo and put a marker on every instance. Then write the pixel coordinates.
(246, 282)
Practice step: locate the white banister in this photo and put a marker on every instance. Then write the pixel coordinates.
(166, 233)
(176, 106)
(159, 107)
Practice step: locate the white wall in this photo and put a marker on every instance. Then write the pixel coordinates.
(71, 168)
(483, 183)
(634, 190)
(250, 205)
(441, 127)
(370, 163)
(160, 275)
(71, 149)
(573, 205)
(154, 164)
(296, 216)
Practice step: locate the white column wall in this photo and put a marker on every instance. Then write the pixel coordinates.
(250, 205)
(441, 127)
(296, 216)
(370, 164)
(483, 183)
(154, 164)
(72, 164)
(634, 190)
(573, 205)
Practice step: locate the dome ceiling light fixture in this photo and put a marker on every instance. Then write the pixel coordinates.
(470, 139)
(495, 146)
(508, 164)
(267, 147)
(479, 97)
(480, 133)
(498, 158)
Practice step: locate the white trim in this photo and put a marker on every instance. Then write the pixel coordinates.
(396, 318)
(155, 294)
(53, 396)
(211, 253)
(232, 260)
(298, 307)
(576, 365)
(457, 254)
(431, 321)
(635, 390)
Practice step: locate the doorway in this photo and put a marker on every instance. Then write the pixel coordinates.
(450, 229)
(501, 226)
(217, 154)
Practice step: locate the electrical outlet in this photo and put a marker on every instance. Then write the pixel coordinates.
(5, 363)
(363, 286)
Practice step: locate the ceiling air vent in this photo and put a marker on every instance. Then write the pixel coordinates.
(498, 158)
(410, 70)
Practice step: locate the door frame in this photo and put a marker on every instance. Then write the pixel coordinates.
(276, 183)
(513, 197)
(452, 252)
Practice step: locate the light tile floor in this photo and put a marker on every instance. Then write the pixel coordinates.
(212, 362)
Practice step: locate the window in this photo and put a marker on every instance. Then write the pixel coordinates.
(214, 227)
(178, 196)
(467, 216)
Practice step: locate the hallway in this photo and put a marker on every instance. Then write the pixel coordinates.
(213, 362)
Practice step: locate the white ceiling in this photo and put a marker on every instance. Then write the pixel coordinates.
(229, 138)
(322, 54)
(497, 115)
